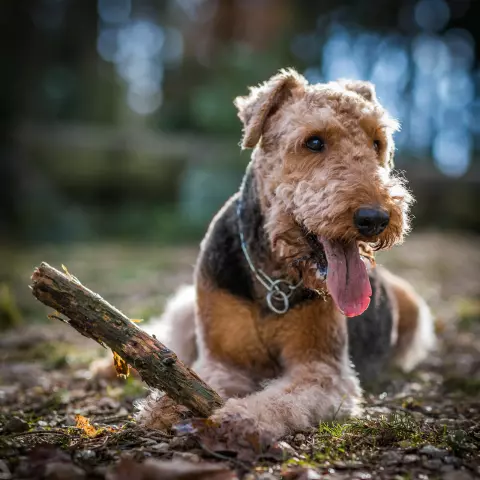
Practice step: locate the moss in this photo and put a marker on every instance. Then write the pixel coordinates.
(361, 438)
(130, 388)
(133, 388)
(465, 385)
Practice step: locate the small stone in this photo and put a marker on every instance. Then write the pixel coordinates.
(299, 438)
(391, 458)
(178, 442)
(4, 471)
(432, 451)
(42, 423)
(16, 425)
(182, 443)
(362, 475)
(433, 464)
(69, 421)
(457, 475)
(85, 455)
(450, 460)
(159, 447)
(411, 458)
(147, 441)
(447, 468)
(63, 471)
(189, 457)
(287, 449)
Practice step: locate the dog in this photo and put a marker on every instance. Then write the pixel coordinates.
(288, 314)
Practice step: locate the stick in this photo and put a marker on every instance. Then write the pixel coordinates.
(93, 317)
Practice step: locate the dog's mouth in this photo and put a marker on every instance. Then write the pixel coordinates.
(346, 275)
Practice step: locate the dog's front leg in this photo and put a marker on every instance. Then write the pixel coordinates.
(303, 397)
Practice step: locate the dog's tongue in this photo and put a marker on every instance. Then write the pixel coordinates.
(347, 278)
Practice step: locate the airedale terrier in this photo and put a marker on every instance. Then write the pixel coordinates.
(290, 257)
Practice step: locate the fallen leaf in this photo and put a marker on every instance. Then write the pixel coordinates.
(236, 437)
(121, 366)
(51, 462)
(151, 469)
(84, 423)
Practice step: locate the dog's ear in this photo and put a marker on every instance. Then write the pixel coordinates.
(263, 101)
(365, 89)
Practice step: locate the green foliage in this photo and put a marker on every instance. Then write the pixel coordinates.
(469, 313)
(362, 438)
(9, 313)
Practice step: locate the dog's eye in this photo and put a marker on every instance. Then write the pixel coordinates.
(377, 145)
(315, 144)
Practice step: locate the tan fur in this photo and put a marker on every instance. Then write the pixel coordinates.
(322, 190)
(235, 332)
(291, 371)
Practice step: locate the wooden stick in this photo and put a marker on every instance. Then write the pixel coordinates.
(93, 317)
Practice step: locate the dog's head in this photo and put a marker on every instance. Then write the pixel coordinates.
(323, 160)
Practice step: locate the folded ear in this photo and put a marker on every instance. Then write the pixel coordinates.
(365, 89)
(263, 101)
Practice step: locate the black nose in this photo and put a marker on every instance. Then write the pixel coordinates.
(371, 221)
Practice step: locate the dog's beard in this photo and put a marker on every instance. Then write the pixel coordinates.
(339, 266)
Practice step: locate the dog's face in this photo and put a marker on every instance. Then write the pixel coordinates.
(323, 158)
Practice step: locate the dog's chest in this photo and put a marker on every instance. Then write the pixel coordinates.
(239, 333)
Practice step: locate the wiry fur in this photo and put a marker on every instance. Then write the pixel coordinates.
(180, 332)
(289, 371)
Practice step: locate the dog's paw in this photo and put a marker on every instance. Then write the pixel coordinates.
(237, 411)
(230, 431)
(160, 412)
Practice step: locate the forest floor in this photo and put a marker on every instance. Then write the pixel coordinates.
(422, 425)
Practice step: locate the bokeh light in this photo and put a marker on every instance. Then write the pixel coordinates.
(426, 80)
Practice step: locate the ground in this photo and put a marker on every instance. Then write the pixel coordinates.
(422, 425)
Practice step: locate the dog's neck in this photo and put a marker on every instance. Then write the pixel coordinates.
(252, 226)
(256, 243)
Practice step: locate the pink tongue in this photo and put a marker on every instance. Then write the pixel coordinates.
(347, 278)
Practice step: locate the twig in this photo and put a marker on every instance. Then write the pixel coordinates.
(93, 317)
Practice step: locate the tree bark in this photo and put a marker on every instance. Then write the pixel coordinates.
(95, 318)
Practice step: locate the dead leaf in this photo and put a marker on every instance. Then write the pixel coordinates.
(235, 436)
(121, 366)
(136, 320)
(151, 469)
(84, 423)
(52, 463)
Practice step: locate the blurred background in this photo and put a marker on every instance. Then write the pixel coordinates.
(118, 132)
(117, 115)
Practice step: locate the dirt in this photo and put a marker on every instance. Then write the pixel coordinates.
(422, 425)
